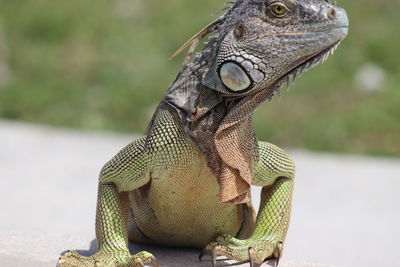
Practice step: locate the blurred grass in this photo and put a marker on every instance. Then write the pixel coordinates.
(104, 65)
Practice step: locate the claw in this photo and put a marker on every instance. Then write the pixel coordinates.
(154, 261)
(59, 262)
(214, 257)
(251, 259)
(279, 248)
(277, 255)
(202, 254)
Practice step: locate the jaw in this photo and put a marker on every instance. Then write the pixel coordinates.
(304, 63)
(307, 63)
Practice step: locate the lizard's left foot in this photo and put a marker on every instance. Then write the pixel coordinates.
(249, 250)
(107, 259)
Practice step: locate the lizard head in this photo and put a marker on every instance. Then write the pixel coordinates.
(264, 43)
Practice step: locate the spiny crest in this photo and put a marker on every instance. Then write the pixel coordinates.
(195, 39)
(232, 5)
(211, 28)
(289, 79)
(332, 2)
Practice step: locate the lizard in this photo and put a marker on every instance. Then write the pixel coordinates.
(186, 182)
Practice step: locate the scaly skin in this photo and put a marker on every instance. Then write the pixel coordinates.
(164, 188)
(192, 215)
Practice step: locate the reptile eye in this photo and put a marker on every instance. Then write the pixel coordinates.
(278, 9)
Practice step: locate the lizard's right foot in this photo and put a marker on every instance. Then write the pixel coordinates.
(107, 259)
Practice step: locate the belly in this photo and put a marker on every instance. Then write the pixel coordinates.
(181, 207)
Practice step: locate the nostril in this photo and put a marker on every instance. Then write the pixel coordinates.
(332, 13)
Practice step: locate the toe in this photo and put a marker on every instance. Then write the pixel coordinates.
(139, 259)
(249, 250)
(154, 261)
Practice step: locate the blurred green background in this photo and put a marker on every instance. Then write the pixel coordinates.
(104, 65)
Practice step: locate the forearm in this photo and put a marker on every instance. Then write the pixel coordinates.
(111, 230)
(274, 214)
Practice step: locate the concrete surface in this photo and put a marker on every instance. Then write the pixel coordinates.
(345, 213)
(19, 250)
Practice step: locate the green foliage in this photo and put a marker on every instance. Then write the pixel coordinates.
(104, 65)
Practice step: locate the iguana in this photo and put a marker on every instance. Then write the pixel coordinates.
(187, 181)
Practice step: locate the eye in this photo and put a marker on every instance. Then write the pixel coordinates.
(278, 9)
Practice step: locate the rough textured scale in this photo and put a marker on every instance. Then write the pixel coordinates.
(187, 181)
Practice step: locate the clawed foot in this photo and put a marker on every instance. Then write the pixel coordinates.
(107, 259)
(250, 250)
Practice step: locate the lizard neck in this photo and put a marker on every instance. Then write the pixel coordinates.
(188, 94)
(220, 125)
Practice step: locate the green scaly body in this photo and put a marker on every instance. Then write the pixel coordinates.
(159, 190)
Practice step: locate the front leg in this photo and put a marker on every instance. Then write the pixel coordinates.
(275, 172)
(112, 211)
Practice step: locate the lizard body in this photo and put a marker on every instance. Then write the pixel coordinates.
(186, 182)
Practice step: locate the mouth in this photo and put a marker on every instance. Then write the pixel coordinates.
(304, 65)
(342, 26)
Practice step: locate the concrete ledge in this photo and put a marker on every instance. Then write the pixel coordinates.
(24, 249)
